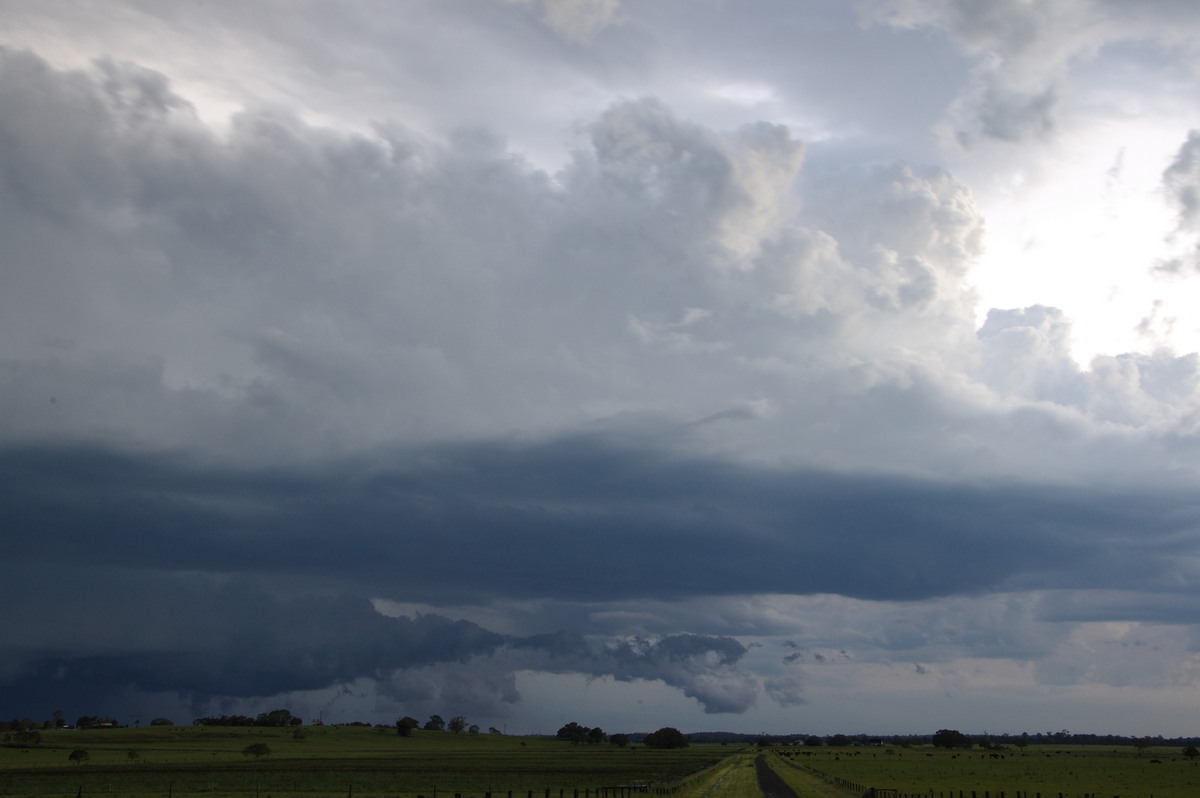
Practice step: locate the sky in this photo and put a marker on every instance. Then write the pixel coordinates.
(791, 367)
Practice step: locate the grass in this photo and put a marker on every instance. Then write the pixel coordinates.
(186, 761)
(1049, 770)
(731, 778)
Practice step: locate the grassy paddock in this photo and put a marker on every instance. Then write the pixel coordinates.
(1071, 770)
(185, 761)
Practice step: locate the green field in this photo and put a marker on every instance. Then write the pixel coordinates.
(356, 761)
(185, 761)
(1073, 771)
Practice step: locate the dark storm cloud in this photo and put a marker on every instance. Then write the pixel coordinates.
(204, 638)
(128, 572)
(226, 639)
(577, 518)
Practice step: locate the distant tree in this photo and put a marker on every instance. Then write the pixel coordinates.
(595, 736)
(666, 737)
(1022, 741)
(473, 729)
(1190, 752)
(620, 740)
(813, 741)
(79, 756)
(951, 738)
(435, 723)
(257, 750)
(1141, 744)
(27, 737)
(838, 740)
(298, 733)
(457, 724)
(85, 722)
(573, 732)
(494, 730)
(161, 722)
(58, 718)
(276, 717)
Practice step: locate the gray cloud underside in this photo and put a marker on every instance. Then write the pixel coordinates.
(168, 573)
(221, 640)
(579, 518)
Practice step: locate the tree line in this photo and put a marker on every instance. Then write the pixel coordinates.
(666, 737)
(276, 717)
(457, 724)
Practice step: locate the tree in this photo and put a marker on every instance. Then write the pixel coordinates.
(951, 738)
(473, 729)
(79, 756)
(276, 717)
(1141, 744)
(435, 723)
(666, 737)
(620, 740)
(595, 736)
(27, 737)
(573, 732)
(257, 750)
(1190, 752)
(457, 724)
(161, 722)
(405, 726)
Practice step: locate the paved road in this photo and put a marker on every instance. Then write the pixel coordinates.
(769, 782)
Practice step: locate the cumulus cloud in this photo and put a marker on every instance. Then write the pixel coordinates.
(1182, 182)
(1026, 54)
(1027, 353)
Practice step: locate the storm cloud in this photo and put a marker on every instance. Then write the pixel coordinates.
(337, 372)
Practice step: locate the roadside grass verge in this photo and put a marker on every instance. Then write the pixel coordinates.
(731, 778)
(804, 783)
